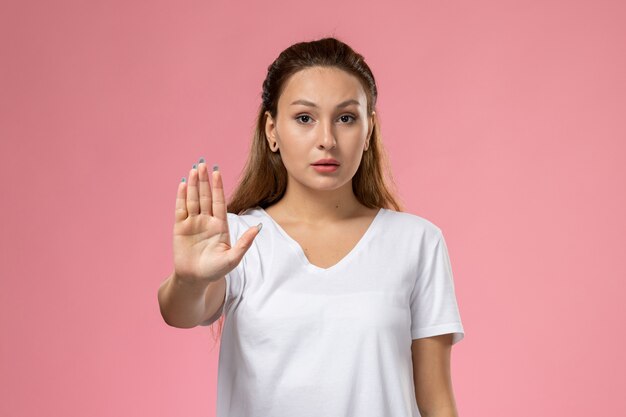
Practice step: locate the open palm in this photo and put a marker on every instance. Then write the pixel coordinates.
(202, 249)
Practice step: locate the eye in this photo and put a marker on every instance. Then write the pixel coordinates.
(302, 115)
(348, 115)
(304, 118)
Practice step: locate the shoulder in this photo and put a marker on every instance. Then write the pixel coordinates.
(410, 225)
(411, 222)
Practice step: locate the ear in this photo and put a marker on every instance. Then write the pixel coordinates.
(370, 129)
(270, 131)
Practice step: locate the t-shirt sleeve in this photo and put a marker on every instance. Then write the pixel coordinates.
(235, 278)
(434, 308)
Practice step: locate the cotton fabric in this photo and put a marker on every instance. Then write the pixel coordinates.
(301, 340)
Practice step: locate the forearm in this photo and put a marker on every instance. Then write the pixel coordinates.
(182, 303)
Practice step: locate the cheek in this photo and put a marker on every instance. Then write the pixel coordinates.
(296, 141)
(294, 152)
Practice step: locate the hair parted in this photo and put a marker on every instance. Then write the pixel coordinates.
(263, 180)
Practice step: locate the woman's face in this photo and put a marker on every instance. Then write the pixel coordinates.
(322, 113)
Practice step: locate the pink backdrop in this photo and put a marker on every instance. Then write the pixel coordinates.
(504, 121)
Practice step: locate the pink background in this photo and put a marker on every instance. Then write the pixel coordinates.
(505, 124)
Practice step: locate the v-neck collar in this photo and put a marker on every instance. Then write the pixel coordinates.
(298, 249)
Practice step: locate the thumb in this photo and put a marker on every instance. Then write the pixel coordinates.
(245, 241)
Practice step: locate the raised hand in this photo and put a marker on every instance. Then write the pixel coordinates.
(202, 250)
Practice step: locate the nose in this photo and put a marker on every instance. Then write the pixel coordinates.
(327, 138)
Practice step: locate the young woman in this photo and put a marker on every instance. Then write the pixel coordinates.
(343, 305)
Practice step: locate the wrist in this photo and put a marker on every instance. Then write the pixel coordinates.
(191, 283)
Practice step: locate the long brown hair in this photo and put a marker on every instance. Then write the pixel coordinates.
(264, 178)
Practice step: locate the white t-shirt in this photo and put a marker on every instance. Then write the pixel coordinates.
(300, 340)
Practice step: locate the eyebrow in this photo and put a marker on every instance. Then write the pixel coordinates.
(340, 105)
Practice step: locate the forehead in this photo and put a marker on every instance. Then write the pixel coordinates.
(322, 85)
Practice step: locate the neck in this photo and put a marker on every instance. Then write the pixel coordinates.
(317, 206)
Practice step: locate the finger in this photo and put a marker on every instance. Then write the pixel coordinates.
(219, 202)
(243, 244)
(204, 189)
(193, 206)
(181, 205)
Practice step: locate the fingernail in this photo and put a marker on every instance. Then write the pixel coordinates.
(201, 160)
(215, 167)
(183, 180)
(259, 226)
(194, 166)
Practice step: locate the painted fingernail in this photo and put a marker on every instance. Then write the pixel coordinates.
(183, 180)
(201, 160)
(259, 226)
(215, 167)
(194, 166)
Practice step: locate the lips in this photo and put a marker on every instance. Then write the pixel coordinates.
(329, 161)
